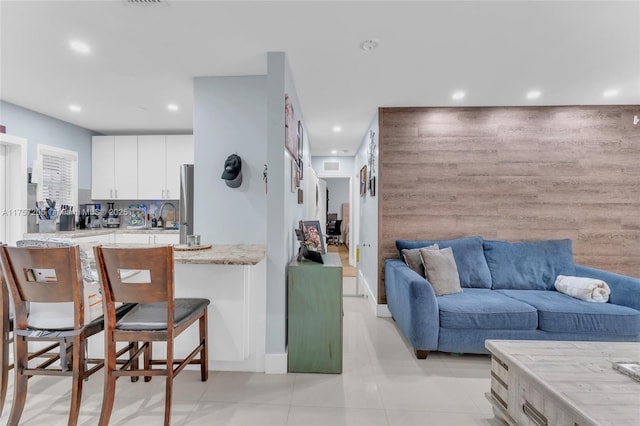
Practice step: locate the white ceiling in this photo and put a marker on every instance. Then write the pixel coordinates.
(145, 56)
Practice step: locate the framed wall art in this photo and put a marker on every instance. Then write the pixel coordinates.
(290, 129)
(313, 239)
(300, 146)
(363, 181)
(295, 176)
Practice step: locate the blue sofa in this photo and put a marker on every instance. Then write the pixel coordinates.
(507, 293)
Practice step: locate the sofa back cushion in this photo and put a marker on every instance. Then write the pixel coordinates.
(531, 265)
(413, 259)
(468, 254)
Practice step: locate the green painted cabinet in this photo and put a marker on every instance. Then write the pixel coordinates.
(315, 316)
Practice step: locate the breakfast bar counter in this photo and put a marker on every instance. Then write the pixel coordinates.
(231, 276)
(223, 254)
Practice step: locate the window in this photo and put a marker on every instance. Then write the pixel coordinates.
(59, 178)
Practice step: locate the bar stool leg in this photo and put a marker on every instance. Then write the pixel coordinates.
(20, 381)
(204, 353)
(109, 382)
(78, 369)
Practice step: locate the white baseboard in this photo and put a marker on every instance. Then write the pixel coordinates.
(379, 310)
(383, 311)
(275, 363)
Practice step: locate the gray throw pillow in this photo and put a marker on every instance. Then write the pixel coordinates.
(441, 270)
(413, 259)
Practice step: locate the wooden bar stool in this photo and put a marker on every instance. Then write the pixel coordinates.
(6, 328)
(48, 275)
(145, 276)
(6, 324)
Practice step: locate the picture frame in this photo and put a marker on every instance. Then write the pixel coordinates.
(300, 135)
(372, 186)
(301, 168)
(290, 129)
(300, 196)
(363, 181)
(295, 176)
(313, 238)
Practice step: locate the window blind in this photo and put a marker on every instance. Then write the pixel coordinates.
(59, 176)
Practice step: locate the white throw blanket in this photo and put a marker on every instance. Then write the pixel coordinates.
(589, 289)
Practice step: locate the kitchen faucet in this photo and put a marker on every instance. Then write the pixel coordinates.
(164, 220)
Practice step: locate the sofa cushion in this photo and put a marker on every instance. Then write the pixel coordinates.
(485, 309)
(532, 265)
(558, 312)
(413, 259)
(470, 261)
(441, 271)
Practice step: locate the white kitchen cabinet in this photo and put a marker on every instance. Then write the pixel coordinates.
(166, 238)
(151, 167)
(102, 168)
(133, 238)
(114, 168)
(106, 238)
(144, 238)
(159, 160)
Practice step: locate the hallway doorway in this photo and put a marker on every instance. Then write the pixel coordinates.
(343, 252)
(338, 208)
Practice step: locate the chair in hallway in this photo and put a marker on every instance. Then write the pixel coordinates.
(47, 276)
(334, 232)
(145, 276)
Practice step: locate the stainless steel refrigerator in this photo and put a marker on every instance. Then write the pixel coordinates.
(186, 202)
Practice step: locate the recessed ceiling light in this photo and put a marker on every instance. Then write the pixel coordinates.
(533, 94)
(610, 93)
(458, 95)
(75, 108)
(172, 107)
(336, 129)
(369, 45)
(334, 151)
(79, 46)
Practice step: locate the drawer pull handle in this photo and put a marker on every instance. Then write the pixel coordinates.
(536, 416)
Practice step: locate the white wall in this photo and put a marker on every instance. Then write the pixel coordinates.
(366, 213)
(338, 194)
(38, 128)
(346, 166)
(283, 210)
(312, 208)
(230, 117)
(245, 115)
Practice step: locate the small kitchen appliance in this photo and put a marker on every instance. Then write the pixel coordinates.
(111, 218)
(92, 217)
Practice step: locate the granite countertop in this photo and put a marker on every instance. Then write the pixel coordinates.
(223, 254)
(219, 254)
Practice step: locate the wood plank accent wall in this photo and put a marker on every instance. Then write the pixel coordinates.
(514, 174)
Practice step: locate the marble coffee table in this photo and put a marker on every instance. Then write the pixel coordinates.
(563, 383)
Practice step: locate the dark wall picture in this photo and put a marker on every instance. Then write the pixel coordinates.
(363, 181)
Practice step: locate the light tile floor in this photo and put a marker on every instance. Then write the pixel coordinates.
(382, 384)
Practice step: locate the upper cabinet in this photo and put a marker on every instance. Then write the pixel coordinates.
(138, 167)
(159, 160)
(114, 168)
(151, 167)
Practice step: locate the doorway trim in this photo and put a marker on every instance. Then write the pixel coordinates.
(354, 226)
(15, 190)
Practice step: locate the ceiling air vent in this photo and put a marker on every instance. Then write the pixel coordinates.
(146, 1)
(331, 166)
